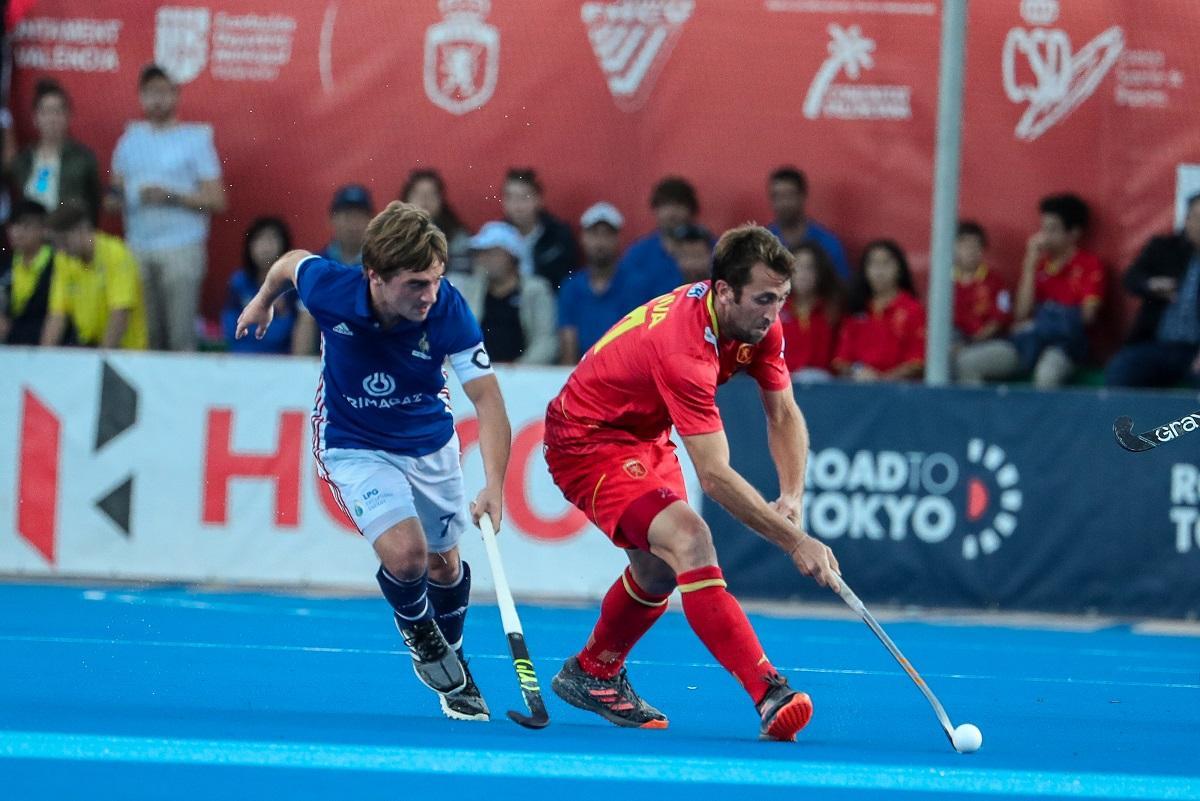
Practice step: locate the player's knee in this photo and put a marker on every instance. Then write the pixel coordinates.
(690, 545)
(444, 567)
(404, 557)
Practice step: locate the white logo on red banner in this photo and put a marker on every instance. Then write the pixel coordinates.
(850, 55)
(245, 47)
(462, 57)
(181, 41)
(1040, 69)
(632, 40)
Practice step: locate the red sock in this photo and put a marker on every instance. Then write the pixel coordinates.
(626, 614)
(721, 625)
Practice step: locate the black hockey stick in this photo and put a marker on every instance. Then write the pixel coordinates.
(522, 664)
(1123, 429)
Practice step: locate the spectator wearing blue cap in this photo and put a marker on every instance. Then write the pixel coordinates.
(596, 296)
(349, 215)
(548, 248)
(517, 312)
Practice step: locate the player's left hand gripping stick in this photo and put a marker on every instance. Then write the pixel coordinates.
(522, 664)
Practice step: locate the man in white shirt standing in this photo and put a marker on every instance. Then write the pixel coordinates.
(167, 181)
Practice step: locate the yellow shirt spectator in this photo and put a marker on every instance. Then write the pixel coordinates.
(85, 293)
(26, 275)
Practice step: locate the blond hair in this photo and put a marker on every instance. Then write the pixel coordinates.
(402, 237)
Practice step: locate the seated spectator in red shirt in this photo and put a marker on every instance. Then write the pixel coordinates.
(1058, 296)
(885, 338)
(811, 316)
(982, 310)
(691, 245)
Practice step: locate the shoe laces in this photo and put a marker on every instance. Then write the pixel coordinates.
(420, 638)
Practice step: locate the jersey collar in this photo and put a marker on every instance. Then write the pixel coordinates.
(712, 312)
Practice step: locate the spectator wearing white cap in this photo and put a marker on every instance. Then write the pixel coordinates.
(599, 294)
(517, 312)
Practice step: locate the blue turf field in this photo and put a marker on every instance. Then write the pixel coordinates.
(166, 693)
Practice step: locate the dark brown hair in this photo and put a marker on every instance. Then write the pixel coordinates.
(739, 249)
(402, 237)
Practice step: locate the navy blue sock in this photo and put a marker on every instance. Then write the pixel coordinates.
(408, 598)
(450, 606)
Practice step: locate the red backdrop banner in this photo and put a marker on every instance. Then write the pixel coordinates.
(604, 97)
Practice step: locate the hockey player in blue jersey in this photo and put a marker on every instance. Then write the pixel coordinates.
(383, 434)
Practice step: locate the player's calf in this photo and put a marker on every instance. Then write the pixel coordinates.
(434, 661)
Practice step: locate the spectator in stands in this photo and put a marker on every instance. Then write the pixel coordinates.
(1164, 347)
(166, 177)
(811, 317)
(595, 297)
(884, 339)
(788, 189)
(692, 246)
(550, 249)
(516, 311)
(650, 260)
(26, 275)
(426, 190)
(1058, 295)
(266, 240)
(350, 212)
(982, 309)
(96, 288)
(56, 168)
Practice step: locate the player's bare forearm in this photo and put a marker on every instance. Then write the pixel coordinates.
(495, 433)
(787, 438)
(260, 310)
(118, 321)
(710, 455)
(281, 277)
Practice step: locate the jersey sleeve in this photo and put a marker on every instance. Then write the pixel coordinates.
(688, 387)
(462, 329)
(769, 368)
(314, 274)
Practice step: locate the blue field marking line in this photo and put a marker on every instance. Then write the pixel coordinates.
(490, 763)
